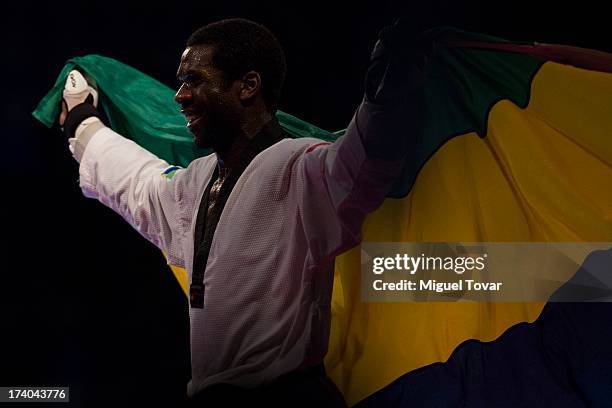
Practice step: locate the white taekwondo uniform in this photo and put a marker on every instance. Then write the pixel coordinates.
(269, 273)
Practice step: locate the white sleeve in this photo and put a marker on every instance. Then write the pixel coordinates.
(144, 189)
(338, 184)
(82, 135)
(342, 182)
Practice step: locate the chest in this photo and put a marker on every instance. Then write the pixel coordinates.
(213, 198)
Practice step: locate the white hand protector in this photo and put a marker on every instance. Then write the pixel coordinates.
(77, 90)
(80, 100)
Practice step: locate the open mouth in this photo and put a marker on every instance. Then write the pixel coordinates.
(191, 122)
(192, 119)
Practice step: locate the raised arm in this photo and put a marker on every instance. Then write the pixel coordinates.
(340, 183)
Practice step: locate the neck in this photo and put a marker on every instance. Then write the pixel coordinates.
(253, 124)
(227, 159)
(249, 129)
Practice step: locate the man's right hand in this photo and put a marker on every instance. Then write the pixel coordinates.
(76, 92)
(78, 104)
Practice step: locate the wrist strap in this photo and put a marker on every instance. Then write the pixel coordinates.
(77, 115)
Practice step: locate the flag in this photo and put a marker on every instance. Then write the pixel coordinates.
(517, 147)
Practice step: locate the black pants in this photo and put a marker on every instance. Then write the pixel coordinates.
(303, 389)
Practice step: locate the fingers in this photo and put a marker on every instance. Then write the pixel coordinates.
(77, 90)
(74, 99)
(63, 113)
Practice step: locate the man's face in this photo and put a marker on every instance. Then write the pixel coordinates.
(211, 105)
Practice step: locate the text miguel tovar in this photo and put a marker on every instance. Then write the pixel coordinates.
(412, 264)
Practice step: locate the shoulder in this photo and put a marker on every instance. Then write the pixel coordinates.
(198, 170)
(276, 168)
(288, 149)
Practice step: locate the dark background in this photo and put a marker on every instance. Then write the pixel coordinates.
(86, 302)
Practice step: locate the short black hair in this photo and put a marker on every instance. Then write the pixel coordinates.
(241, 46)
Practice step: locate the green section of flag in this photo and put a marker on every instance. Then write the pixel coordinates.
(461, 87)
(143, 109)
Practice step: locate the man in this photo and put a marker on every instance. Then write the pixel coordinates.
(258, 223)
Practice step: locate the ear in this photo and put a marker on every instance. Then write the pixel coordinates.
(250, 85)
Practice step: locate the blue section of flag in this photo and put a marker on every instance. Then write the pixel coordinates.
(562, 359)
